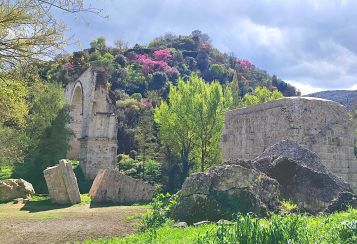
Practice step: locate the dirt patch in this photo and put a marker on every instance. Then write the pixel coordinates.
(67, 224)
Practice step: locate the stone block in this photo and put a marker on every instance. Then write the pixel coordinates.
(11, 189)
(62, 183)
(111, 186)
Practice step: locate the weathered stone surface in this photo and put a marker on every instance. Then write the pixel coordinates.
(11, 189)
(322, 126)
(342, 202)
(93, 122)
(224, 191)
(180, 224)
(302, 176)
(112, 186)
(285, 170)
(62, 183)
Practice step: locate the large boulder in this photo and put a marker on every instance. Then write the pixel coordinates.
(303, 178)
(224, 191)
(111, 186)
(62, 183)
(15, 188)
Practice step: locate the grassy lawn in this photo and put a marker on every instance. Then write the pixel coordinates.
(335, 228)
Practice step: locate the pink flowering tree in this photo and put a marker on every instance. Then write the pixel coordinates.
(157, 63)
(163, 55)
(245, 64)
(68, 66)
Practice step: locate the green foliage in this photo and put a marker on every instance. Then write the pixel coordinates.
(249, 229)
(159, 215)
(348, 231)
(191, 122)
(334, 228)
(46, 131)
(6, 171)
(13, 103)
(288, 206)
(218, 72)
(148, 170)
(98, 44)
(260, 95)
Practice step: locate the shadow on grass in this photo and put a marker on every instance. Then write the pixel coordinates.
(41, 205)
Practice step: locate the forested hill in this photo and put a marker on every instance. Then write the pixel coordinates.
(145, 68)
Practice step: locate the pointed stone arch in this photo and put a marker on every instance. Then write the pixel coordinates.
(76, 120)
(93, 122)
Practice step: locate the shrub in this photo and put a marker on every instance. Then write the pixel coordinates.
(161, 206)
(348, 231)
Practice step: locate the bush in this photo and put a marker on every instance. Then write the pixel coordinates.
(348, 231)
(161, 206)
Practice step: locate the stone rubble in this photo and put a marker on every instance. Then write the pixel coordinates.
(111, 186)
(62, 183)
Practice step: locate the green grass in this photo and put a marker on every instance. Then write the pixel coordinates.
(5, 171)
(335, 228)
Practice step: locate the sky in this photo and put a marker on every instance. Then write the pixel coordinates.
(308, 43)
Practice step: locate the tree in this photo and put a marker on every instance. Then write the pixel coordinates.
(260, 95)
(29, 32)
(191, 122)
(46, 131)
(234, 86)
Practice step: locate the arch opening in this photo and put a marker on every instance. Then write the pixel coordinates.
(76, 116)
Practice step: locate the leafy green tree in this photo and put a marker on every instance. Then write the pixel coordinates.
(191, 122)
(218, 72)
(234, 87)
(46, 131)
(260, 95)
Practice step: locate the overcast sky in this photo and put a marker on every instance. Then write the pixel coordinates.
(311, 44)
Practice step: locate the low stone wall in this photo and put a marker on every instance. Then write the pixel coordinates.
(321, 125)
(62, 183)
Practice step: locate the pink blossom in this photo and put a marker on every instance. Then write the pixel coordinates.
(163, 55)
(151, 66)
(68, 66)
(146, 103)
(245, 64)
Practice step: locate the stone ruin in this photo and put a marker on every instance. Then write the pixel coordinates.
(112, 186)
(62, 183)
(285, 170)
(11, 189)
(322, 126)
(93, 122)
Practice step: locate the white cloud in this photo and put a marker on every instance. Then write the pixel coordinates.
(305, 88)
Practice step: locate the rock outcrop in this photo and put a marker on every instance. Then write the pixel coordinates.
(111, 186)
(302, 176)
(223, 191)
(62, 183)
(11, 189)
(285, 170)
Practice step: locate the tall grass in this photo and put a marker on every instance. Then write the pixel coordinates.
(248, 229)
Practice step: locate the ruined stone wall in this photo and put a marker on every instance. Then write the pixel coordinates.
(93, 122)
(322, 125)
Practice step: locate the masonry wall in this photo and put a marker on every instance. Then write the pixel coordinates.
(321, 125)
(96, 134)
